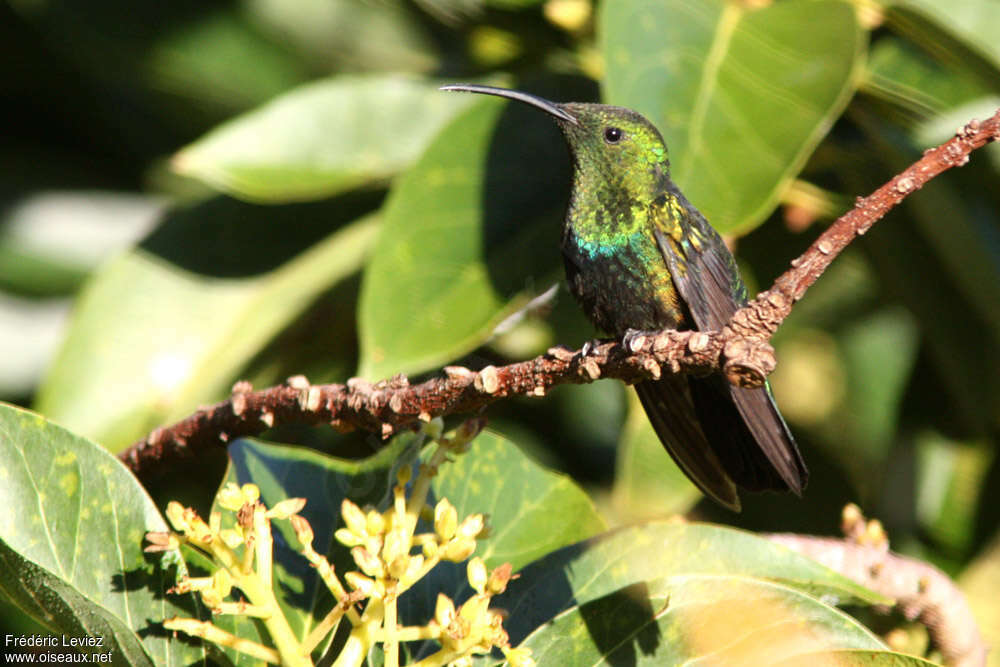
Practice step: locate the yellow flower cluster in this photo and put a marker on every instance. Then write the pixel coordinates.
(390, 555)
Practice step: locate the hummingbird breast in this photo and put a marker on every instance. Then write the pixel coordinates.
(621, 281)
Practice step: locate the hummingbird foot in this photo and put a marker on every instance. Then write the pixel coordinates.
(590, 346)
(634, 339)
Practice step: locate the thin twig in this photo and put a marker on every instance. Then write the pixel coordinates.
(740, 350)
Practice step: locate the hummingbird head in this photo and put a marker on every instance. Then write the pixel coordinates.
(612, 147)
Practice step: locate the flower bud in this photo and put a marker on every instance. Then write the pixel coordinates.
(232, 538)
(368, 562)
(396, 544)
(287, 508)
(303, 530)
(375, 523)
(354, 518)
(472, 526)
(397, 567)
(404, 474)
(360, 582)
(445, 520)
(177, 516)
(499, 579)
(458, 549)
(347, 538)
(413, 567)
(430, 548)
(251, 493)
(230, 497)
(476, 571)
(444, 611)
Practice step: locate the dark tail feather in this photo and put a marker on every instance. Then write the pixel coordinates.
(748, 435)
(723, 437)
(669, 407)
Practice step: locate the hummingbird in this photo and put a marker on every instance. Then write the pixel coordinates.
(640, 257)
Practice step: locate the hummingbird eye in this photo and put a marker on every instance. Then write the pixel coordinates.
(613, 135)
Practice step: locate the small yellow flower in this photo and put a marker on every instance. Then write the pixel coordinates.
(458, 549)
(472, 526)
(354, 518)
(476, 571)
(444, 611)
(361, 583)
(251, 493)
(230, 497)
(368, 562)
(445, 520)
(287, 508)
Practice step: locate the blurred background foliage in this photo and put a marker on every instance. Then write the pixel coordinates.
(199, 192)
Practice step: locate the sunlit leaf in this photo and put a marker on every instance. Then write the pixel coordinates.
(470, 233)
(690, 618)
(742, 95)
(167, 327)
(972, 22)
(531, 511)
(383, 36)
(322, 139)
(72, 554)
(584, 572)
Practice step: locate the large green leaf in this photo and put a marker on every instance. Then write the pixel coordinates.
(742, 95)
(923, 87)
(470, 233)
(71, 544)
(383, 36)
(973, 23)
(167, 327)
(647, 481)
(691, 618)
(531, 512)
(583, 572)
(322, 139)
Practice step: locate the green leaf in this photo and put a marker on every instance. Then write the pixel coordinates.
(289, 472)
(586, 571)
(676, 620)
(49, 241)
(879, 352)
(973, 23)
(857, 658)
(742, 96)
(168, 326)
(71, 544)
(951, 488)
(470, 234)
(647, 481)
(322, 138)
(533, 511)
(922, 86)
(383, 36)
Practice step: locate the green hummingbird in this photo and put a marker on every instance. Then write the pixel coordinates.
(638, 257)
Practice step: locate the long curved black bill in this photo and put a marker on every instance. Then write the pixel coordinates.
(537, 102)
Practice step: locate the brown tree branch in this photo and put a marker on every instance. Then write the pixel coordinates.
(740, 350)
(922, 592)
